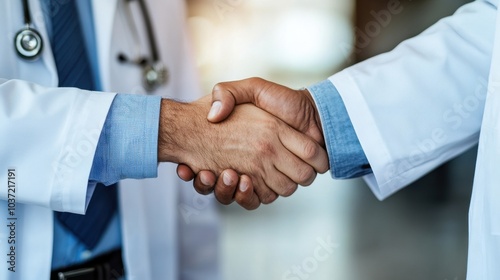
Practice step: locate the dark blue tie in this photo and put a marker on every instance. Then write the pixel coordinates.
(74, 70)
(68, 47)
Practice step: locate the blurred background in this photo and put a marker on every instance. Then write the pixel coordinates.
(332, 229)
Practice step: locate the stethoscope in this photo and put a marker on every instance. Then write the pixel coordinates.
(28, 42)
(29, 46)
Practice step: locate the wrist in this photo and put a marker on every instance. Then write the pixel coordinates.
(168, 146)
(183, 131)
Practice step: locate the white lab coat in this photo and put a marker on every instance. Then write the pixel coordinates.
(49, 136)
(423, 103)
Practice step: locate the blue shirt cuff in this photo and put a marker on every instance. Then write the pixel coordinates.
(128, 145)
(347, 159)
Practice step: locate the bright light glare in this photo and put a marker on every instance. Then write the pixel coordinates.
(310, 40)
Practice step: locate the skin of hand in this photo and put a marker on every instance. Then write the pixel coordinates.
(295, 107)
(273, 156)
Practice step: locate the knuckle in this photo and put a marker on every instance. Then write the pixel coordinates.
(305, 176)
(310, 150)
(255, 80)
(289, 190)
(269, 198)
(325, 167)
(219, 87)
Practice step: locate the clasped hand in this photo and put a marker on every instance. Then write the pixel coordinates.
(250, 153)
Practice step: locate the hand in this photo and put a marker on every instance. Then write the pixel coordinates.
(295, 107)
(274, 156)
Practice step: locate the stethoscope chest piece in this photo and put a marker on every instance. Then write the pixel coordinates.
(154, 76)
(28, 43)
(154, 73)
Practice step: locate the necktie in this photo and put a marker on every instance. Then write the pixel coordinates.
(74, 70)
(68, 47)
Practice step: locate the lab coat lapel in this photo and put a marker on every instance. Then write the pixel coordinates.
(39, 21)
(484, 214)
(489, 142)
(104, 13)
(34, 254)
(490, 148)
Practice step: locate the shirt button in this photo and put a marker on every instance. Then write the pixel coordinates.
(86, 255)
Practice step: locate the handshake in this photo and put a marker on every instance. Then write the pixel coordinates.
(260, 141)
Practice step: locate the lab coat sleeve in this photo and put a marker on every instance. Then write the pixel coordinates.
(49, 137)
(421, 104)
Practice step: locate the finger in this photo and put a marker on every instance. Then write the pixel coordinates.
(245, 195)
(278, 182)
(223, 104)
(265, 194)
(204, 182)
(289, 164)
(226, 186)
(295, 169)
(185, 173)
(226, 95)
(305, 148)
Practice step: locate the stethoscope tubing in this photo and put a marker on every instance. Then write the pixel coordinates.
(27, 15)
(149, 30)
(28, 41)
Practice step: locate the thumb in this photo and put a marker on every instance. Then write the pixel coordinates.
(225, 96)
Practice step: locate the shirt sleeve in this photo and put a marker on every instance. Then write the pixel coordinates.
(347, 159)
(128, 144)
